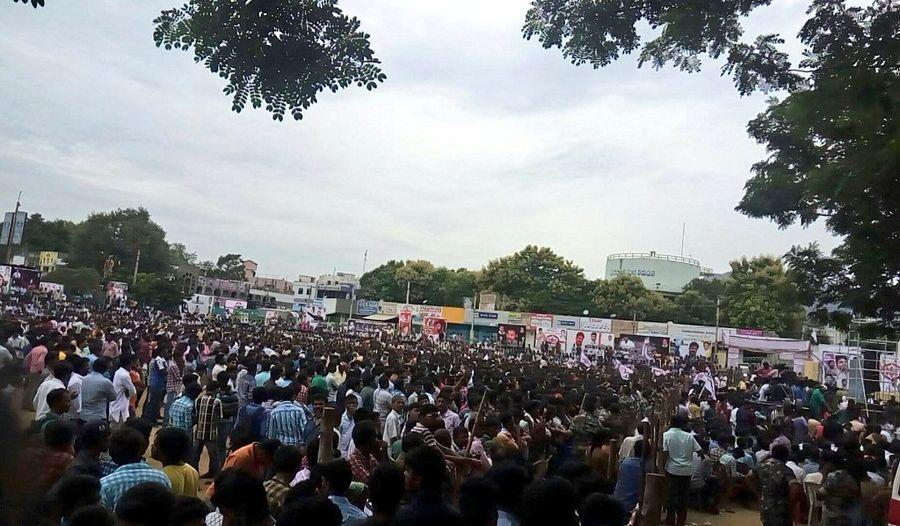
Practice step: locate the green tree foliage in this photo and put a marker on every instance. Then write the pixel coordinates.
(180, 255)
(759, 294)
(281, 54)
(538, 280)
(228, 266)
(41, 234)
(120, 233)
(380, 283)
(156, 290)
(436, 285)
(831, 141)
(697, 303)
(77, 281)
(826, 288)
(626, 297)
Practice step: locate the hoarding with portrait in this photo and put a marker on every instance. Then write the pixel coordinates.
(511, 335)
(589, 341)
(5, 276)
(434, 328)
(24, 280)
(643, 346)
(550, 337)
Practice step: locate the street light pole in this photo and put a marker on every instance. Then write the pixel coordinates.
(12, 227)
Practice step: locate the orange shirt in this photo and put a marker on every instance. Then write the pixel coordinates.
(244, 459)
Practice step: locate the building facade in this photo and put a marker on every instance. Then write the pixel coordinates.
(659, 272)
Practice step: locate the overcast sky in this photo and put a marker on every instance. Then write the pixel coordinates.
(478, 143)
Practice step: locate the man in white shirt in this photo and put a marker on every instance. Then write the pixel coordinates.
(119, 409)
(451, 419)
(74, 387)
(60, 373)
(679, 447)
(393, 425)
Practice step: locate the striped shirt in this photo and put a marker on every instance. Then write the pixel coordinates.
(286, 423)
(116, 484)
(181, 413)
(208, 409)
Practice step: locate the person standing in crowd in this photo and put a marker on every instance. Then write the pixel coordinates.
(171, 448)
(208, 415)
(678, 449)
(120, 408)
(345, 427)
(773, 476)
(286, 463)
(174, 376)
(288, 421)
(156, 385)
(181, 414)
(60, 373)
(97, 392)
(126, 448)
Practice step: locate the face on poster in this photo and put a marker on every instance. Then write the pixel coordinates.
(692, 347)
(836, 369)
(404, 321)
(587, 340)
(5, 276)
(434, 328)
(646, 346)
(511, 335)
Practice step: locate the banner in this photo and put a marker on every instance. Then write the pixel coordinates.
(551, 337)
(404, 321)
(366, 327)
(366, 307)
(596, 324)
(231, 305)
(434, 328)
(511, 335)
(648, 347)
(24, 280)
(836, 369)
(692, 347)
(589, 342)
(5, 277)
(18, 230)
(544, 321)
(52, 288)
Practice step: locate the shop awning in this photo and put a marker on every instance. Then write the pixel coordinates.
(381, 317)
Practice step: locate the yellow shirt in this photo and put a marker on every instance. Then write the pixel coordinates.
(185, 479)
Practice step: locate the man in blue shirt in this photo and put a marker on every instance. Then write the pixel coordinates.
(287, 420)
(628, 483)
(127, 447)
(253, 418)
(181, 413)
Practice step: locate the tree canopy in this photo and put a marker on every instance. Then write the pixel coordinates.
(278, 54)
(831, 140)
(120, 234)
(228, 266)
(77, 281)
(427, 283)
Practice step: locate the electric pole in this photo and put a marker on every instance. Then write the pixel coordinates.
(137, 262)
(12, 228)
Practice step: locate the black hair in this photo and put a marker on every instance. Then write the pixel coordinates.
(57, 433)
(428, 464)
(269, 445)
(101, 365)
(187, 510)
(287, 459)
(386, 488)
(94, 515)
(364, 434)
(478, 501)
(549, 501)
(75, 491)
(510, 479)
(411, 441)
(127, 446)
(55, 396)
(147, 504)
(192, 390)
(319, 511)
(781, 452)
(241, 493)
(173, 443)
(599, 509)
(339, 475)
(259, 395)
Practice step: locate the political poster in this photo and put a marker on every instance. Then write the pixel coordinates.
(54, 290)
(544, 321)
(590, 342)
(17, 230)
(5, 276)
(434, 328)
(366, 307)
(24, 280)
(643, 346)
(692, 347)
(510, 335)
(836, 370)
(554, 339)
(404, 321)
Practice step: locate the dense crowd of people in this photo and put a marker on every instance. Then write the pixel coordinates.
(135, 410)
